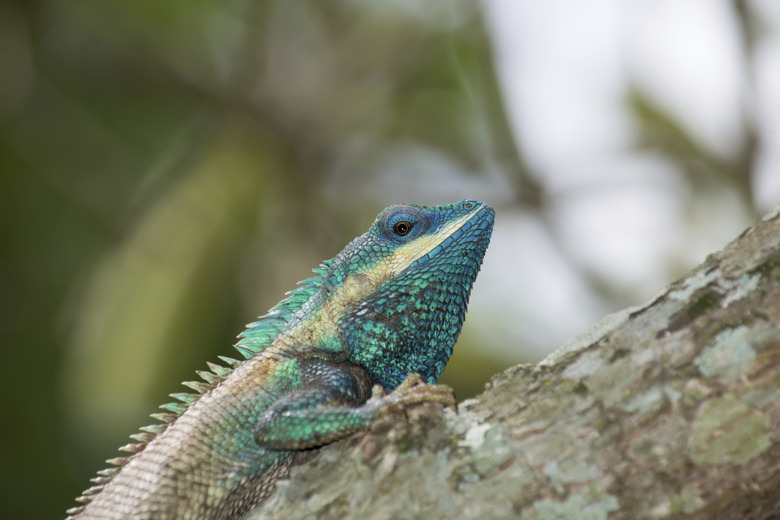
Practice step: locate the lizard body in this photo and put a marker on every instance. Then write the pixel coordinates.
(388, 307)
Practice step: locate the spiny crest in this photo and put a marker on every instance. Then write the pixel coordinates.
(261, 333)
(256, 338)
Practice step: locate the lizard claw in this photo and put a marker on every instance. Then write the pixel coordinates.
(377, 392)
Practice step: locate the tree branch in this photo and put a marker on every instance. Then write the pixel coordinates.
(669, 410)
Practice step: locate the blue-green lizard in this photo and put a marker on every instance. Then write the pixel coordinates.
(384, 313)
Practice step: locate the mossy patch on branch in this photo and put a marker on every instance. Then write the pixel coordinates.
(727, 430)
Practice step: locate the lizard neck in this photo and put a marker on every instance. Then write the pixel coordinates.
(405, 328)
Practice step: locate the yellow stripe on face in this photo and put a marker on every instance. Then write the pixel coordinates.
(407, 254)
(323, 323)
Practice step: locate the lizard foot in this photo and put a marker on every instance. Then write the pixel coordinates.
(411, 391)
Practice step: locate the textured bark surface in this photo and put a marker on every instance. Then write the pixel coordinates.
(669, 410)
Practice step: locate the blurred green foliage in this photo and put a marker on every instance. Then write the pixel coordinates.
(169, 169)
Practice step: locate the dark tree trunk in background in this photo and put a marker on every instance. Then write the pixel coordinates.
(669, 410)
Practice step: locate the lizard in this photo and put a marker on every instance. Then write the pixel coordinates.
(369, 333)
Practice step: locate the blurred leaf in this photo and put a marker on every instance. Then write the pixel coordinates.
(162, 295)
(659, 131)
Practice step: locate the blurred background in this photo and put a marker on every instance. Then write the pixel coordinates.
(169, 169)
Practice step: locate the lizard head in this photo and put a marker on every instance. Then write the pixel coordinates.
(398, 293)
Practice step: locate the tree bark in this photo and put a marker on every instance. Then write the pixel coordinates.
(668, 410)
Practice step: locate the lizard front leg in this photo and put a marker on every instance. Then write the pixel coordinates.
(336, 405)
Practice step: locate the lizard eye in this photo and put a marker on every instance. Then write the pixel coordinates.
(401, 223)
(402, 228)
